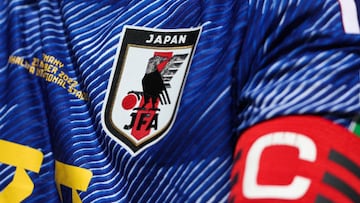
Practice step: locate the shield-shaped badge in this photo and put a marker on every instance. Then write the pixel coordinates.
(146, 84)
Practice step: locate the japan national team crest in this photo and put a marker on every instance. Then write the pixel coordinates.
(146, 84)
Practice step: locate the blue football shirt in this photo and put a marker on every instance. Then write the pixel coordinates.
(143, 101)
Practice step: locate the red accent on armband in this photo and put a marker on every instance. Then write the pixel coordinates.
(296, 158)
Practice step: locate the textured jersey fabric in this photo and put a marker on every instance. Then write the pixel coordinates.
(254, 60)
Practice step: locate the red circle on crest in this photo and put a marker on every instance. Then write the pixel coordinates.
(129, 101)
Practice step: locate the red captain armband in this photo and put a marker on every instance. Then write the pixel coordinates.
(296, 159)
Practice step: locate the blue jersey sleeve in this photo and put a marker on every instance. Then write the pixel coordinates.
(298, 97)
(300, 57)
